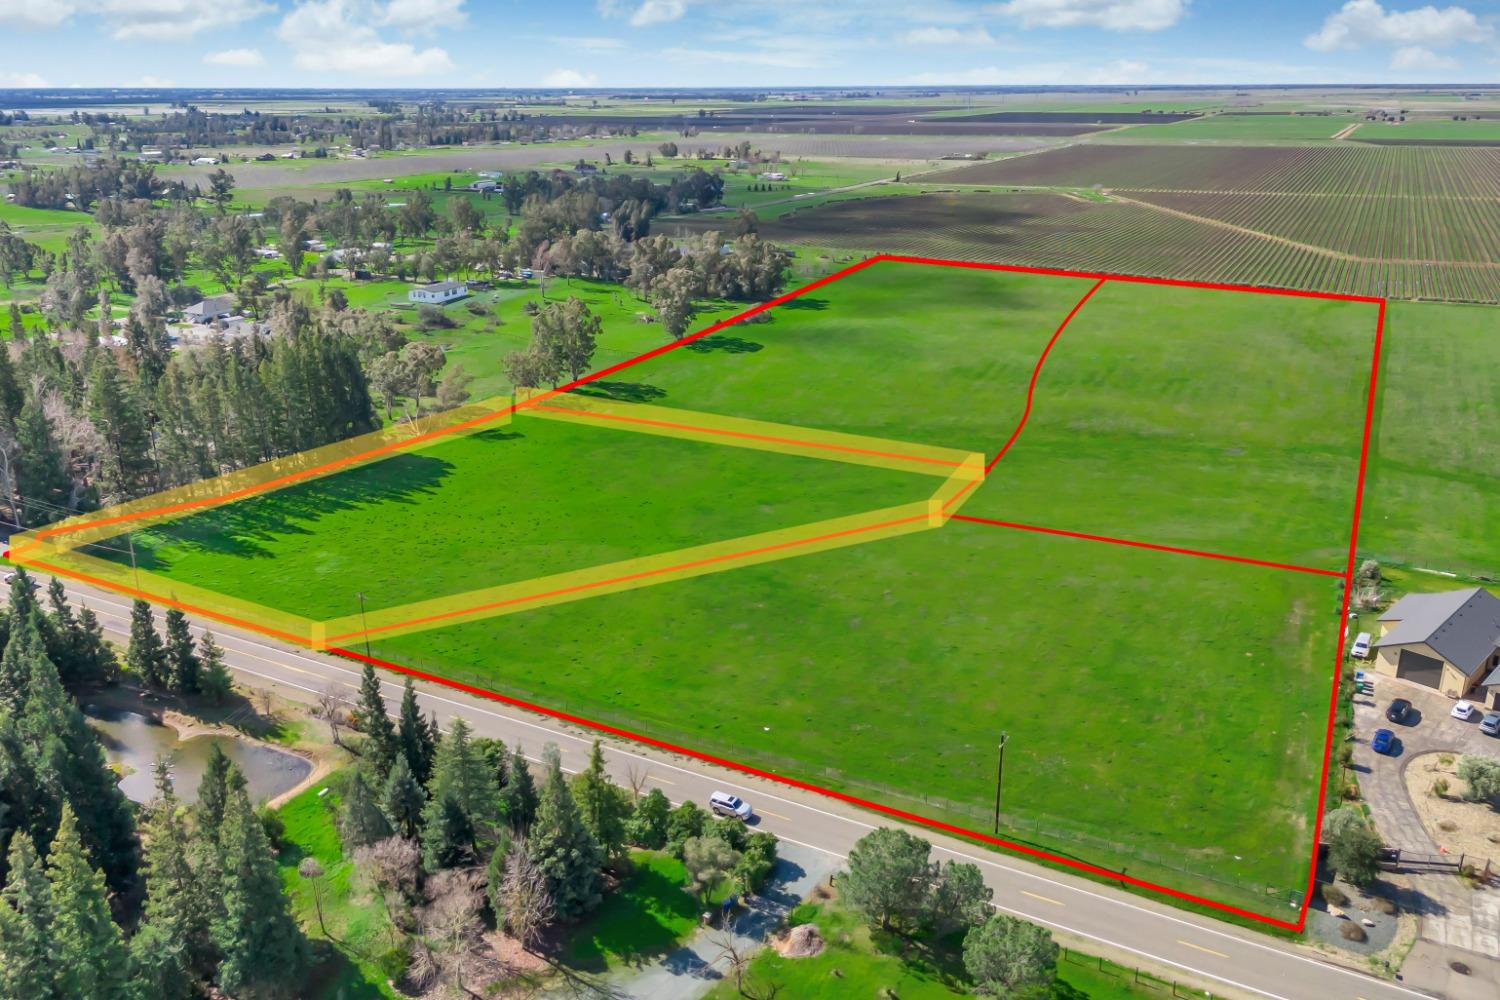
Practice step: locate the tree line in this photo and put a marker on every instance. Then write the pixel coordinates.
(102, 900)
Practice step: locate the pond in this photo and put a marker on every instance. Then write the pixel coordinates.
(133, 741)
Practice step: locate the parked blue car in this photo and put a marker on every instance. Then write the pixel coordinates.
(1383, 741)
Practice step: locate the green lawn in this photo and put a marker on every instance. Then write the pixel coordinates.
(859, 962)
(358, 928)
(648, 914)
(530, 499)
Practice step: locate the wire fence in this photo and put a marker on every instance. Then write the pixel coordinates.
(1130, 976)
(1181, 869)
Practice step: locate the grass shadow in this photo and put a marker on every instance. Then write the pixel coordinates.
(628, 392)
(645, 917)
(805, 302)
(728, 345)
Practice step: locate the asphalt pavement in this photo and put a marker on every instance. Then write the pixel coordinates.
(1198, 950)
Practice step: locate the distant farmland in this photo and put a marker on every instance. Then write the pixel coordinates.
(1132, 237)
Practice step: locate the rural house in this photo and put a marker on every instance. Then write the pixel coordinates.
(438, 292)
(209, 309)
(1448, 641)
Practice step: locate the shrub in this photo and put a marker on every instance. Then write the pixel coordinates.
(1353, 932)
(1335, 896)
(1481, 775)
(802, 913)
(1440, 788)
(1387, 906)
(1447, 826)
(432, 318)
(757, 859)
(271, 822)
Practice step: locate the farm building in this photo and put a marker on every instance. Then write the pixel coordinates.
(438, 292)
(209, 309)
(1448, 641)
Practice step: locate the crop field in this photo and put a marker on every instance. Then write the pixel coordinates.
(1344, 169)
(1243, 128)
(1427, 248)
(785, 661)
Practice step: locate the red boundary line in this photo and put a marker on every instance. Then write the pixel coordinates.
(1115, 876)
(1036, 373)
(1149, 545)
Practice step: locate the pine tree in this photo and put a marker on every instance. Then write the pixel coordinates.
(91, 956)
(11, 397)
(518, 799)
(403, 798)
(265, 954)
(125, 468)
(28, 963)
(563, 848)
(22, 647)
(360, 820)
(372, 719)
(214, 679)
(173, 936)
(67, 764)
(221, 779)
(447, 833)
(96, 660)
(182, 666)
(147, 656)
(601, 804)
(42, 478)
(414, 737)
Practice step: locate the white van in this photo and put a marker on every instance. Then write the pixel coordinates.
(724, 804)
(1361, 648)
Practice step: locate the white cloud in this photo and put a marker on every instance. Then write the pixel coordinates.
(976, 37)
(163, 20)
(174, 20)
(336, 36)
(27, 80)
(1121, 71)
(1416, 59)
(34, 13)
(658, 12)
(238, 58)
(645, 13)
(1365, 22)
(569, 79)
(422, 16)
(1112, 15)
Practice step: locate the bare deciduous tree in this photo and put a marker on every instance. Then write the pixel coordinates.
(449, 929)
(526, 898)
(736, 956)
(330, 709)
(391, 867)
(637, 777)
(311, 870)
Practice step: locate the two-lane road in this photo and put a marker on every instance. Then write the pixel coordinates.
(1224, 959)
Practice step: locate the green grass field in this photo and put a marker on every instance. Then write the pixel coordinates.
(1433, 463)
(648, 914)
(1166, 712)
(529, 499)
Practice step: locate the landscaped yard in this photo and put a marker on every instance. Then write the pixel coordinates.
(648, 914)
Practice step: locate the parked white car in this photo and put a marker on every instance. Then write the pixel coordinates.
(1463, 710)
(1361, 648)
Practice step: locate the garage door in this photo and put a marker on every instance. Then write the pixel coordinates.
(1422, 669)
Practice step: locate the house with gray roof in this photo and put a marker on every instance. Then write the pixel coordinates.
(1449, 641)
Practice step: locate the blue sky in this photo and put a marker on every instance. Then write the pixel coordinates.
(638, 43)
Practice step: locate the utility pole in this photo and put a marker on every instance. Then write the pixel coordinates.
(1000, 777)
(364, 625)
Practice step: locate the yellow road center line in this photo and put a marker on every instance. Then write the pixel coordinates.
(1045, 899)
(1199, 947)
(767, 812)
